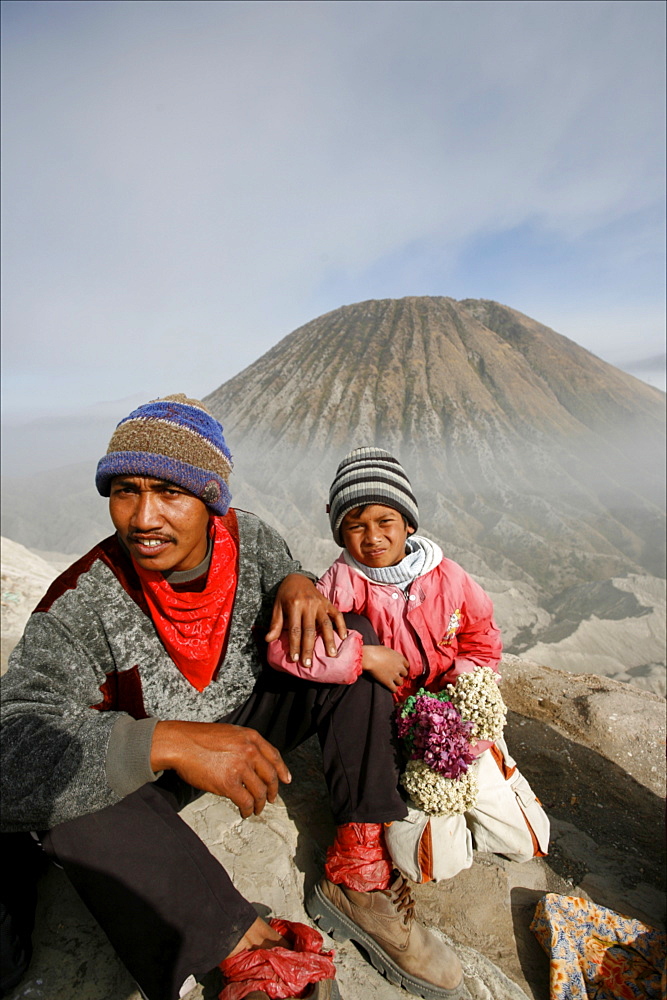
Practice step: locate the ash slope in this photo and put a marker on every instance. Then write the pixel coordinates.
(535, 463)
(537, 466)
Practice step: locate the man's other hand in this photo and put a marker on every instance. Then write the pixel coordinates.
(303, 612)
(231, 761)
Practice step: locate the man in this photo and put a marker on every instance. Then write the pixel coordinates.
(138, 684)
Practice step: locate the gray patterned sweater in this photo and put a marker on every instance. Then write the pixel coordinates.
(90, 679)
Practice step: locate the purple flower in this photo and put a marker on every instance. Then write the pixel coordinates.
(433, 731)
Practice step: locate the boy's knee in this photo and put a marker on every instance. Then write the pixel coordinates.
(361, 624)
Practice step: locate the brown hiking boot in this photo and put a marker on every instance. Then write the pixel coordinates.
(326, 989)
(383, 923)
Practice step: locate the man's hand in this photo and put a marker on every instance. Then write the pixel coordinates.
(303, 611)
(385, 665)
(231, 761)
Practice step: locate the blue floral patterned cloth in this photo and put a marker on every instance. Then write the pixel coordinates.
(597, 954)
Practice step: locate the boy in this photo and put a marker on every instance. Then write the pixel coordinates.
(434, 623)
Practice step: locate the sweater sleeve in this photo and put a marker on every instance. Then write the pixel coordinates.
(128, 765)
(54, 744)
(275, 559)
(267, 562)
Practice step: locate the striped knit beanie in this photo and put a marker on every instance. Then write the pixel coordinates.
(366, 476)
(176, 439)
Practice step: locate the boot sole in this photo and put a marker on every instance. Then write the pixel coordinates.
(324, 990)
(341, 928)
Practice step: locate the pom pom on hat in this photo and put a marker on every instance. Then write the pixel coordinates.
(176, 439)
(367, 476)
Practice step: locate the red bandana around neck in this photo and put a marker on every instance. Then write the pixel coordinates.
(193, 626)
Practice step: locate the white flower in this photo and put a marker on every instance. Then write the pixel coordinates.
(436, 795)
(477, 698)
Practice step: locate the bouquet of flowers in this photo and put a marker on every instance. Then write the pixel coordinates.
(439, 732)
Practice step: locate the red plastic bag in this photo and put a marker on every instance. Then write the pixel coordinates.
(279, 972)
(358, 857)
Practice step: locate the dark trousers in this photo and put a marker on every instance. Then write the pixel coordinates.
(21, 863)
(166, 904)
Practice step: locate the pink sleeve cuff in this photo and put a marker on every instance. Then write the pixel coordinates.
(344, 668)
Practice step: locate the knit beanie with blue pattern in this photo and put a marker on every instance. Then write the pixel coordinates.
(367, 476)
(175, 439)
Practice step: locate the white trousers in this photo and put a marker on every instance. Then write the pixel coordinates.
(507, 819)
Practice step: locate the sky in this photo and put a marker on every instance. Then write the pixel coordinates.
(185, 183)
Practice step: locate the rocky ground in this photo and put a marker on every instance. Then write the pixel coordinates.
(25, 578)
(593, 749)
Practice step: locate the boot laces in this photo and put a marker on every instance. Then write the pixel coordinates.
(403, 899)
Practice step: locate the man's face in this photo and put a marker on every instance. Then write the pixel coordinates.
(163, 526)
(375, 536)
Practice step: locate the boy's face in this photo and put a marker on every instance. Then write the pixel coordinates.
(376, 535)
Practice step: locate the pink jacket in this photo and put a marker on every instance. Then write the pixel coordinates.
(444, 628)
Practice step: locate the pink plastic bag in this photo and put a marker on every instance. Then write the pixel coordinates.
(279, 972)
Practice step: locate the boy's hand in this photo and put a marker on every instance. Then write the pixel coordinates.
(386, 665)
(303, 612)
